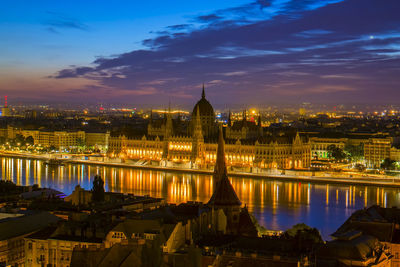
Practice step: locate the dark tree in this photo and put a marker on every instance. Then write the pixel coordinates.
(336, 153)
(354, 153)
(388, 164)
(7, 187)
(98, 189)
(360, 167)
(30, 140)
(19, 138)
(305, 236)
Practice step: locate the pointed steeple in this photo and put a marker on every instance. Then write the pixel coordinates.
(168, 125)
(203, 94)
(259, 121)
(197, 129)
(220, 165)
(151, 116)
(244, 115)
(224, 194)
(229, 119)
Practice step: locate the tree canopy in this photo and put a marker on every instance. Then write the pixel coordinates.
(388, 164)
(336, 153)
(98, 189)
(353, 152)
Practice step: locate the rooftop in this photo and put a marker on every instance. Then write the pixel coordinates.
(24, 225)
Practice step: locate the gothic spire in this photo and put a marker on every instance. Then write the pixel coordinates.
(229, 119)
(220, 165)
(244, 115)
(224, 194)
(151, 116)
(168, 124)
(203, 94)
(197, 130)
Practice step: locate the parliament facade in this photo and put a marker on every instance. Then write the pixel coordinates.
(247, 146)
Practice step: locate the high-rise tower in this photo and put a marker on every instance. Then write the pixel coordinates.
(5, 111)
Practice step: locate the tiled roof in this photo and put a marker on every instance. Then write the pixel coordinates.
(26, 224)
(224, 194)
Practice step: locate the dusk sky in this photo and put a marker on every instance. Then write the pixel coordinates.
(150, 52)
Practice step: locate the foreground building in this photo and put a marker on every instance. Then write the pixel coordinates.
(354, 249)
(14, 229)
(380, 223)
(224, 197)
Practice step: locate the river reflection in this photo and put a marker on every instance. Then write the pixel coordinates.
(277, 205)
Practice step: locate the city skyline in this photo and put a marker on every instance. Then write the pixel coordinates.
(243, 51)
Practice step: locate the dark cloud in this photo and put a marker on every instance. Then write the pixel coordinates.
(62, 21)
(73, 72)
(308, 51)
(179, 27)
(264, 3)
(208, 18)
(52, 30)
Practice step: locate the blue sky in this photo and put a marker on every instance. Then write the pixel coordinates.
(262, 51)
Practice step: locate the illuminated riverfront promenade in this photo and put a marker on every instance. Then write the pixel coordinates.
(276, 204)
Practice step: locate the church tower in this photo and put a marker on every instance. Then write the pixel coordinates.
(259, 124)
(168, 133)
(229, 119)
(168, 125)
(197, 139)
(224, 196)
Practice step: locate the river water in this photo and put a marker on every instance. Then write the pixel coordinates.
(276, 204)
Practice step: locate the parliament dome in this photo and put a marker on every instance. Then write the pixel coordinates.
(205, 107)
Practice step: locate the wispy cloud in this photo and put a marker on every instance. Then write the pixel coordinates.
(58, 21)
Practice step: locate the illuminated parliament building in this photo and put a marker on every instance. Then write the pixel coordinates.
(247, 147)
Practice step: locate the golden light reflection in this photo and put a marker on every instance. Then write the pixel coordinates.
(337, 196)
(327, 195)
(377, 196)
(178, 187)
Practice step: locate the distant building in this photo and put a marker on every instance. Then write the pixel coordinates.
(31, 114)
(246, 146)
(81, 197)
(319, 146)
(243, 129)
(97, 140)
(66, 139)
(5, 111)
(376, 150)
(395, 153)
